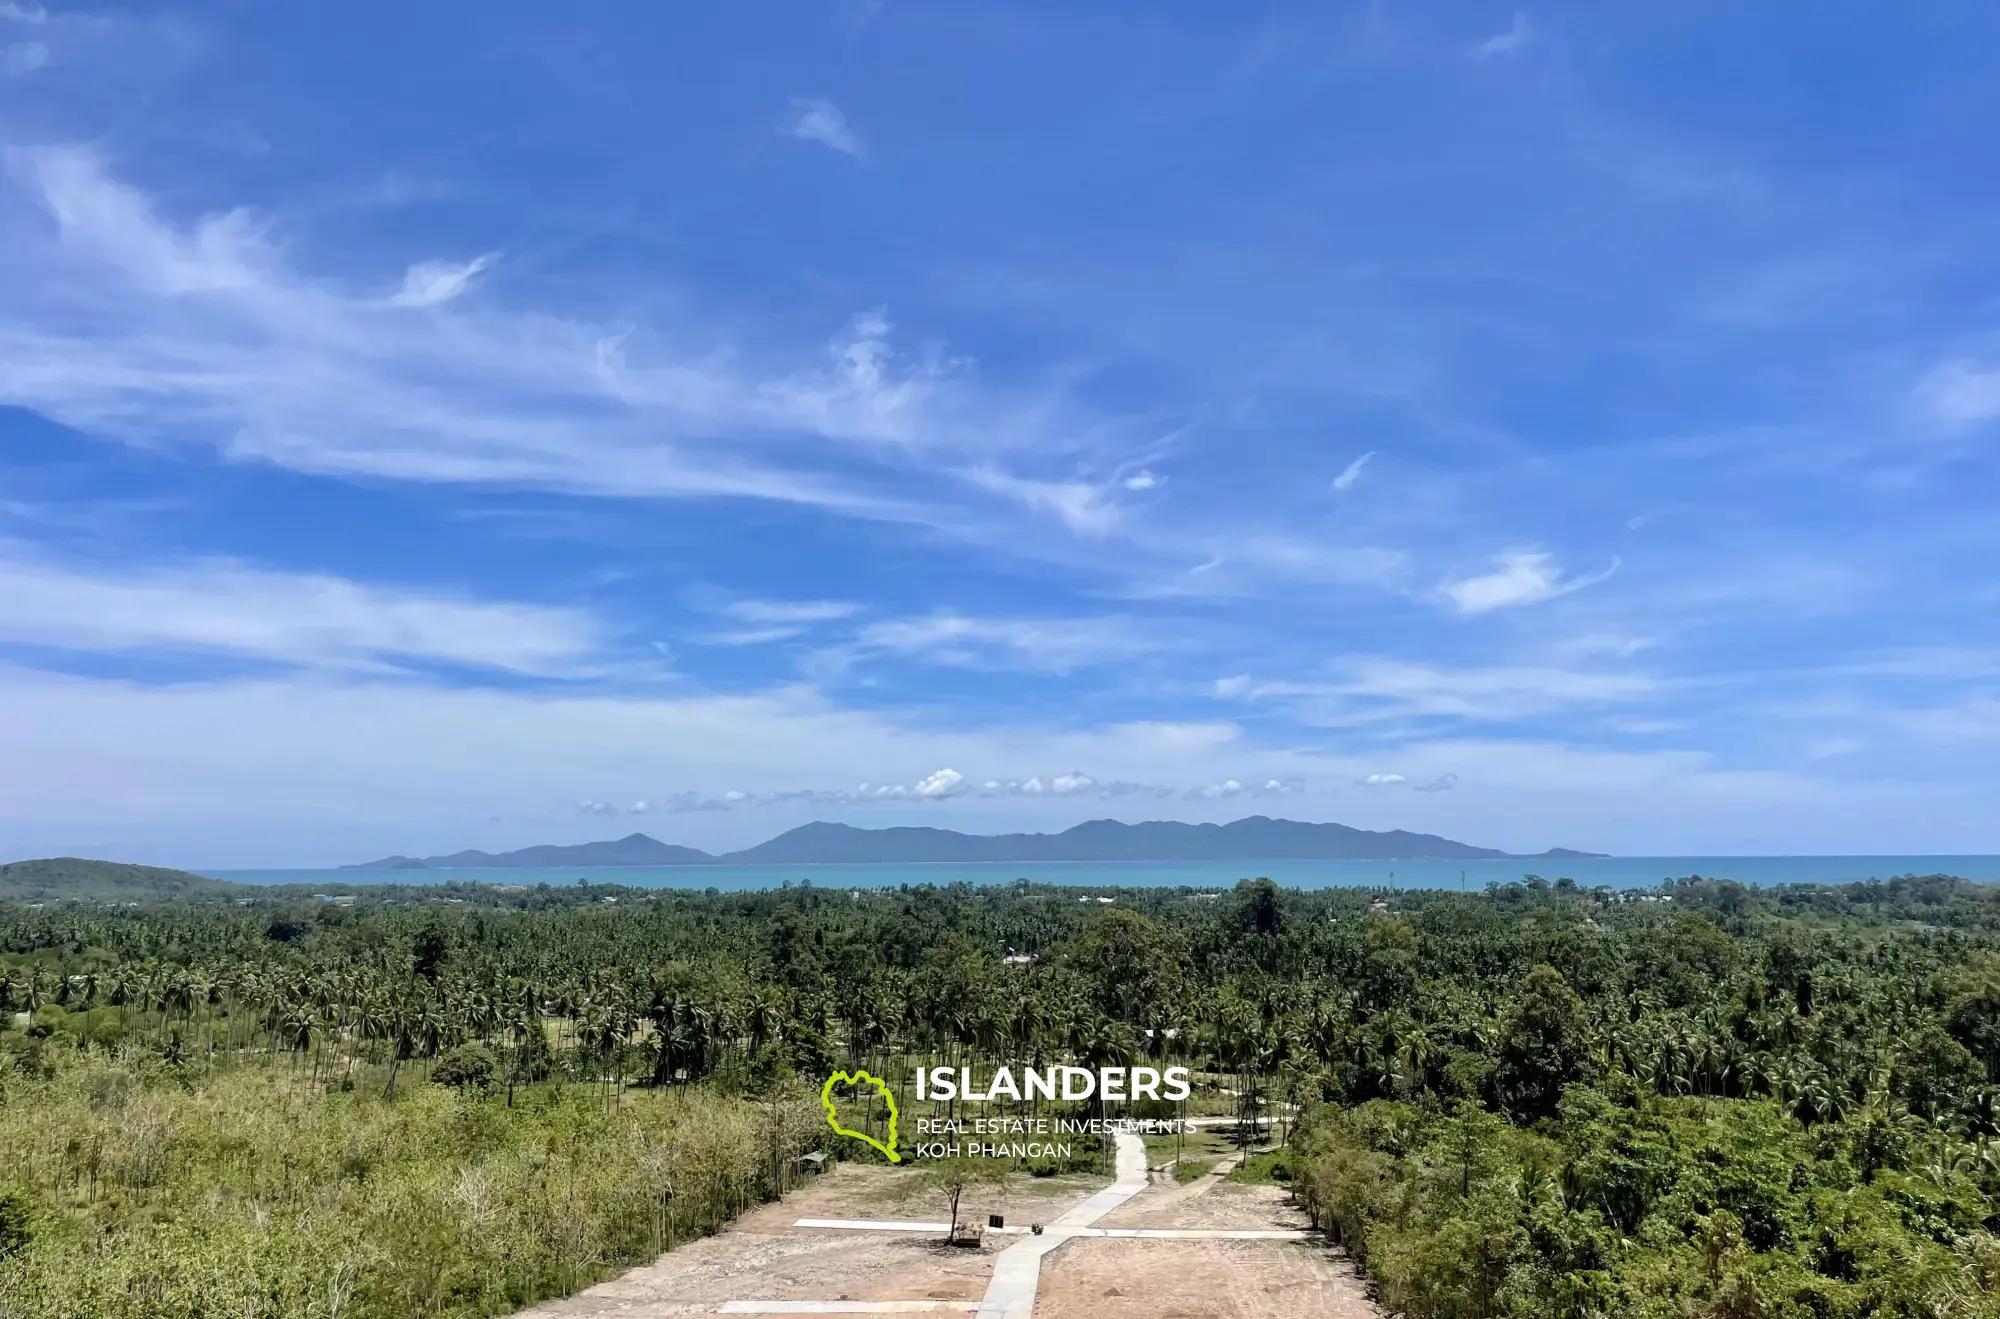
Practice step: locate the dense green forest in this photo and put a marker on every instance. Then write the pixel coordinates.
(73, 879)
(1704, 1100)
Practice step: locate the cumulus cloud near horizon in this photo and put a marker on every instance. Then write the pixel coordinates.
(937, 786)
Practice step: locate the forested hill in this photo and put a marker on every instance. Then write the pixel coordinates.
(74, 879)
(1254, 839)
(631, 850)
(1257, 838)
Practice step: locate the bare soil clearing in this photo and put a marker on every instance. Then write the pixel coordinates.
(764, 1257)
(1210, 1202)
(1101, 1278)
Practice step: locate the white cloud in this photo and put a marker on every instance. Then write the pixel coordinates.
(276, 771)
(33, 15)
(429, 283)
(1056, 645)
(938, 784)
(1522, 577)
(775, 620)
(1072, 784)
(791, 611)
(1380, 780)
(1601, 644)
(123, 324)
(1960, 394)
(816, 120)
(1644, 727)
(220, 606)
(215, 335)
(1352, 473)
(1081, 506)
(748, 636)
(1140, 480)
(1373, 690)
(1229, 789)
(1506, 44)
(22, 57)
(1442, 783)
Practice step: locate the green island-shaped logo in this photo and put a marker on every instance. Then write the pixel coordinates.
(833, 1120)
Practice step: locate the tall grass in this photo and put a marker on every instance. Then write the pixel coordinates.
(159, 1193)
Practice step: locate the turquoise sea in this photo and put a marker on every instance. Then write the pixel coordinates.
(1615, 872)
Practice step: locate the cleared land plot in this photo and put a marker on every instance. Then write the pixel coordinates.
(763, 1257)
(1107, 1278)
(1210, 1202)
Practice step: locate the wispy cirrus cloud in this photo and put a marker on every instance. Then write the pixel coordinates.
(1366, 690)
(429, 283)
(1351, 474)
(225, 607)
(1053, 645)
(815, 119)
(1082, 506)
(207, 336)
(1960, 394)
(22, 57)
(1519, 577)
(761, 622)
(1507, 43)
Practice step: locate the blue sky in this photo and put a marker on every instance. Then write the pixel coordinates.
(474, 425)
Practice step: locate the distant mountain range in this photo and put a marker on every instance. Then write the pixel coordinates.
(1257, 838)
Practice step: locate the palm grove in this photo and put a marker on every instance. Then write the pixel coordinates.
(1535, 1101)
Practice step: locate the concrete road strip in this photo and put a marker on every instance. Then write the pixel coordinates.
(1017, 1270)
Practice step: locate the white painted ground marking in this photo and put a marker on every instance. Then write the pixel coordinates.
(1015, 1230)
(1199, 1233)
(843, 1307)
